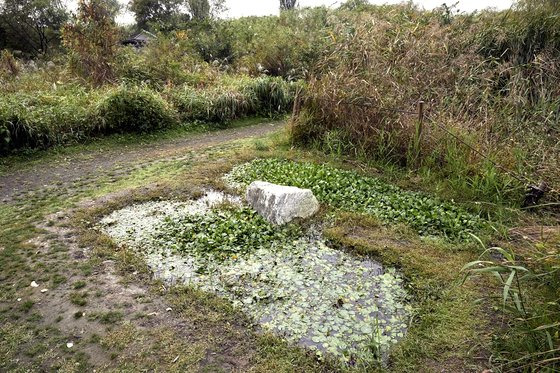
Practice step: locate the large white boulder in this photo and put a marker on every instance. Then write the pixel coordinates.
(281, 204)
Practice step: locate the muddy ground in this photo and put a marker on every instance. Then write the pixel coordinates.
(91, 312)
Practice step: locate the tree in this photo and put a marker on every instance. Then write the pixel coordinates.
(288, 4)
(355, 5)
(173, 14)
(204, 9)
(93, 39)
(199, 9)
(160, 14)
(31, 25)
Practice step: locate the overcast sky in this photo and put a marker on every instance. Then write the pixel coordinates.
(240, 8)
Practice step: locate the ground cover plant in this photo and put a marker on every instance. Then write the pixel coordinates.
(348, 190)
(341, 306)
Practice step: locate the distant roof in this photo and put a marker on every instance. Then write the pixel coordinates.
(140, 39)
(144, 35)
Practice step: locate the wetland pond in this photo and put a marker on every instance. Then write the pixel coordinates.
(288, 280)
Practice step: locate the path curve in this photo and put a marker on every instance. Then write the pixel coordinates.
(90, 163)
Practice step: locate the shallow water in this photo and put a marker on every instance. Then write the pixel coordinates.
(304, 291)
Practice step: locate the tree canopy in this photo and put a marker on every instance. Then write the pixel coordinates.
(31, 26)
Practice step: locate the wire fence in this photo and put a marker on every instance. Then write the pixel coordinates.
(423, 116)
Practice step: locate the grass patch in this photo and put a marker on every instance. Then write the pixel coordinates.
(79, 285)
(79, 299)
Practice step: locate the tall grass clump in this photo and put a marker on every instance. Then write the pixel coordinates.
(491, 97)
(233, 98)
(527, 293)
(273, 96)
(45, 118)
(133, 109)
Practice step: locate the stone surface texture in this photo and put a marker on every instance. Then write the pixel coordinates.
(281, 204)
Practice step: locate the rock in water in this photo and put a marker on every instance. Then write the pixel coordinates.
(281, 204)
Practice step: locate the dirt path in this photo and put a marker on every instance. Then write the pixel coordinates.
(86, 165)
(93, 308)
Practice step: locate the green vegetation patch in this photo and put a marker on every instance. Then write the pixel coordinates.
(224, 233)
(133, 109)
(287, 280)
(352, 191)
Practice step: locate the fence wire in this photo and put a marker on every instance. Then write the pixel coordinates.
(426, 116)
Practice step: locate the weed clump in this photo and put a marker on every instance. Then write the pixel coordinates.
(133, 109)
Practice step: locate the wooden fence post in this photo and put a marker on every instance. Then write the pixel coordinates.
(420, 118)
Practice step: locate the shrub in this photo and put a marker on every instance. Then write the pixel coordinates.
(133, 109)
(93, 39)
(8, 64)
(191, 104)
(45, 118)
(273, 96)
(165, 61)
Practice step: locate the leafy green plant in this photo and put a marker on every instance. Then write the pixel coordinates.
(224, 233)
(349, 190)
(133, 109)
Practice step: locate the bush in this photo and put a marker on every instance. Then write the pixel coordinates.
(191, 104)
(273, 95)
(45, 118)
(165, 61)
(93, 38)
(133, 109)
(234, 98)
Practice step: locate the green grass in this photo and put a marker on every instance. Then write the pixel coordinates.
(68, 113)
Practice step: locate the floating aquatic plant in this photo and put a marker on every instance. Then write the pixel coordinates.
(292, 285)
(352, 191)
